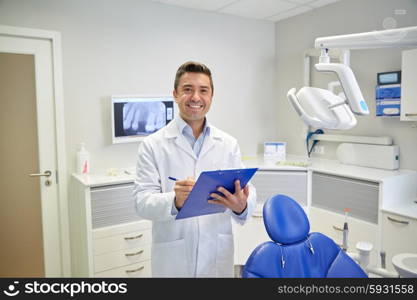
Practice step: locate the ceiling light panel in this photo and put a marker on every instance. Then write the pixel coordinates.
(290, 13)
(320, 3)
(211, 5)
(301, 1)
(258, 9)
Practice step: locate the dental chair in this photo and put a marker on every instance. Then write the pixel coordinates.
(293, 251)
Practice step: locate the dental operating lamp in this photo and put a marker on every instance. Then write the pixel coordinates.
(321, 108)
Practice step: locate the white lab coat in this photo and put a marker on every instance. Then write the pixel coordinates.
(193, 247)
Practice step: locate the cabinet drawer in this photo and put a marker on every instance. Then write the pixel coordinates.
(142, 269)
(119, 229)
(121, 258)
(121, 242)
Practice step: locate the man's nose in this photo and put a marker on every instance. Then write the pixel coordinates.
(196, 96)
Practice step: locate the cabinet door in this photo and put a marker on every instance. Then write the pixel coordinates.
(399, 235)
(335, 193)
(331, 224)
(112, 205)
(248, 237)
(290, 183)
(409, 86)
(267, 184)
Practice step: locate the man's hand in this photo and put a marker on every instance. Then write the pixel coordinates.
(182, 189)
(237, 202)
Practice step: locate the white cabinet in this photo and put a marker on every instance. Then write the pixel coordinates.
(331, 224)
(267, 183)
(271, 182)
(248, 237)
(399, 236)
(108, 239)
(331, 195)
(325, 189)
(409, 86)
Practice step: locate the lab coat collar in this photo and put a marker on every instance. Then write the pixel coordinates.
(173, 129)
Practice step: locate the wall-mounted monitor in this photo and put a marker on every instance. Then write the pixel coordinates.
(137, 116)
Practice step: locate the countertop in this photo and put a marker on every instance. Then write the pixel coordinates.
(328, 166)
(293, 163)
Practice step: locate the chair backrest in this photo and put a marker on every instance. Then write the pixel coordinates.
(293, 252)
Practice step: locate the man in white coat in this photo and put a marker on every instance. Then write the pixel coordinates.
(199, 246)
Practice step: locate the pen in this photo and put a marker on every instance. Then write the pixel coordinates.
(172, 178)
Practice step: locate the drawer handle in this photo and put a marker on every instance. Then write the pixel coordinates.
(133, 254)
(135, 270)
(398, 221)
(410, 115)
(133, 237)
(337, 228)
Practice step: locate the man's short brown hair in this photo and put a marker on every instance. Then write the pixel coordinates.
(192, 67)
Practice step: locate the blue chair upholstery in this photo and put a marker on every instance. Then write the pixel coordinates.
(293, 251)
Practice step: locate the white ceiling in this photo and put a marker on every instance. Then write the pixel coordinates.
(270, 10)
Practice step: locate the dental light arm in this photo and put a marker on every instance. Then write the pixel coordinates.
(390, 38)
(321, 108)
(349, 84)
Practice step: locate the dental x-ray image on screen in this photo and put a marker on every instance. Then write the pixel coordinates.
(137, 117)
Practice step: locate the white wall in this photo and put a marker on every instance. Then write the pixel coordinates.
(130, 46)
(295, 35)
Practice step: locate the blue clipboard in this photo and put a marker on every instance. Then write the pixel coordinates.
(196, 204)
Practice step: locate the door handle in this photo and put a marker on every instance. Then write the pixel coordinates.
(47, 173)
(398, 221)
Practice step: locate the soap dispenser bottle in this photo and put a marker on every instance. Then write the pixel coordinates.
(83, 160)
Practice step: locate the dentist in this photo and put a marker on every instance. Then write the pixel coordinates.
(200, 246)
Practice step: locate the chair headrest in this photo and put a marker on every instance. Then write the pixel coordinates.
(285, 220)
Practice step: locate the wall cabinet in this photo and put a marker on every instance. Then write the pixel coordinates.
(108, 238)
(408, 85)
(399, 235)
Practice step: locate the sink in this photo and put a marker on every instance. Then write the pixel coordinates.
(406, 264)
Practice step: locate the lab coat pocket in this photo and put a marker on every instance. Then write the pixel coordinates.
(169, 259)
(225, 252)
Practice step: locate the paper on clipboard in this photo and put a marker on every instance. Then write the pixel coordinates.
(196, 204)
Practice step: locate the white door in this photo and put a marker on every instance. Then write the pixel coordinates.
(29, 211)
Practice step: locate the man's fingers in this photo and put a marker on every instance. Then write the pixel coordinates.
(216, 202)
(246, 190)
(224, 191)
(217, 197)
(237, 186)
(185, 182)
(183, 188)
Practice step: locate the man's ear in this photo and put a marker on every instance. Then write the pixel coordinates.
(175, 94)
